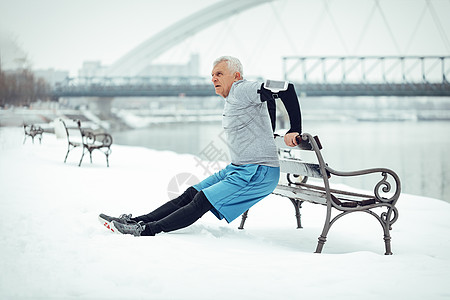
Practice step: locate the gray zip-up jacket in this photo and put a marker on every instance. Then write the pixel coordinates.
(247, 126)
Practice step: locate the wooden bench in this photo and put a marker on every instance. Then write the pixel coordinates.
(32, 131)
(87, 139)
(380, 204)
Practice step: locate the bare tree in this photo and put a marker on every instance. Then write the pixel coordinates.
(22, 88)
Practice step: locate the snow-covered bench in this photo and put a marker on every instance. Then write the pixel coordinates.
(380, 204)
(32, 131)
(88, 140)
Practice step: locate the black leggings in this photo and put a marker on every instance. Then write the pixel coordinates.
(177, 213)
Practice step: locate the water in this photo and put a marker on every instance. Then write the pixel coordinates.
(416, 151)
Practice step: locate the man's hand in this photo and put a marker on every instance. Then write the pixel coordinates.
(291, 139)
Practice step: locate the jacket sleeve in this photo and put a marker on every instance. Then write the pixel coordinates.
(290, 102)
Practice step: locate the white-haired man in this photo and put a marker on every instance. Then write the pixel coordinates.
(254, 169)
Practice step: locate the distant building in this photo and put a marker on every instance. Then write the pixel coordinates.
(92, 69)
(51, 76)
(191, 68)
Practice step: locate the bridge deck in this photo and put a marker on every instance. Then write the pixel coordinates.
(207, 90)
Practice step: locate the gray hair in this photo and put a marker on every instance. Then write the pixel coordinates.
(234, 65)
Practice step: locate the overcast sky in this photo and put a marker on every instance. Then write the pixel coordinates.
(61, 34)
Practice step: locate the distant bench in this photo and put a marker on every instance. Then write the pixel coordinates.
(87, 139)
(32, 131)
(344, 202)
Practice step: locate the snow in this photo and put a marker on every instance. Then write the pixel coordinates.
(53, 246)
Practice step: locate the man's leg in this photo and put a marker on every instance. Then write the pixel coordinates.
(185, 198)
(182, 217)
(169, 207)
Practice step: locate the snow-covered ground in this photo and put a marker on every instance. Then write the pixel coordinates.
(53, 247)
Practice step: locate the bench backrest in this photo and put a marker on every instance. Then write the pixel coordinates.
(27, 129)
(296, 166)
(32, 129)
(73, 130)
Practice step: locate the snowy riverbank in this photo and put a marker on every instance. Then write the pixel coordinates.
(53, 247)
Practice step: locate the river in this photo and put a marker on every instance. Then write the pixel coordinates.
(416, 150)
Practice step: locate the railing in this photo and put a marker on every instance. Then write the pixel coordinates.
(312, 76)
(369, 75)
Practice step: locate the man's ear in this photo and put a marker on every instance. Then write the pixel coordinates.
(237, 76)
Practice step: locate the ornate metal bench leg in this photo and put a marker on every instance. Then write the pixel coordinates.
(107, 160)
(326, 228)
(388, 220)
(320, 243)
(387, 244)
(67, 154)
(387, 235)
(244, 217)
(297, 205)
(82, 155)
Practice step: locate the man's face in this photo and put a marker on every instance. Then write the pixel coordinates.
(223, 79)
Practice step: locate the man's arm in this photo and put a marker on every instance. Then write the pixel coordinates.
(290, 102)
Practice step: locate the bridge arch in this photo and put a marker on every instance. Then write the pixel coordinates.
(131, 63)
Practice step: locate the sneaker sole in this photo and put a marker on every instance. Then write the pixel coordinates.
(108, 225)
(114, 228)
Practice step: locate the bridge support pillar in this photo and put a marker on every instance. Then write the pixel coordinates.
(101, 105)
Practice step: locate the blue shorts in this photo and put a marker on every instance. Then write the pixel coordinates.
(235, 189)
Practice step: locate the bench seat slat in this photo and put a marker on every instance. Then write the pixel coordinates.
(316, 194)
(301, 193)
(344, 195)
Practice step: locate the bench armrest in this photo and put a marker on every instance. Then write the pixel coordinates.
(97, 139)
(383, 186)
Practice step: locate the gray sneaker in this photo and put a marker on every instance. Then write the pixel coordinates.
(134, 229)
(106, 220)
